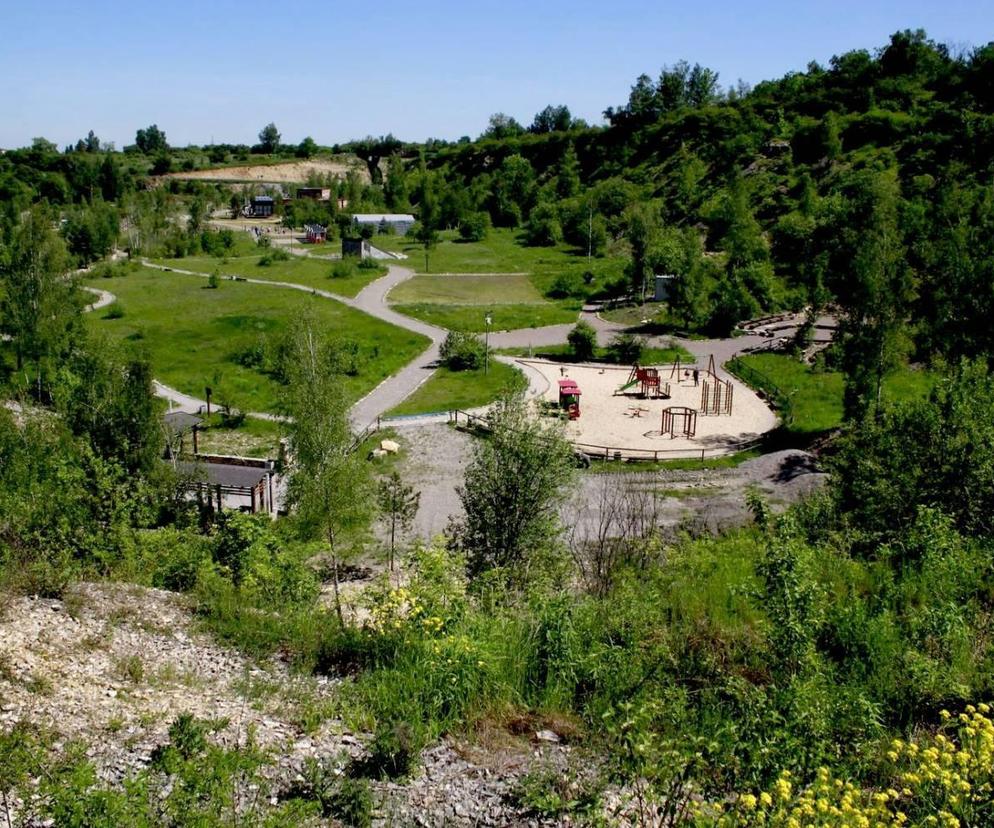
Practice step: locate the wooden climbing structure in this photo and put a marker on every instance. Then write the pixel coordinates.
(716, 393)
(649, 382)
(679, 421)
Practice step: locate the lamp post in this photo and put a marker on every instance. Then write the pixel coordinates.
(486, 346)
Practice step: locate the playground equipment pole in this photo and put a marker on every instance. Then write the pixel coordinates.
(486, 347)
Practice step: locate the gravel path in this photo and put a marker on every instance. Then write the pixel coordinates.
(104, 298)
(434, 458)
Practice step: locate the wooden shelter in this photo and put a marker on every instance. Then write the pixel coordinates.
(220, 484)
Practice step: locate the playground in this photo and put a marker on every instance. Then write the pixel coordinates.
(648, 409)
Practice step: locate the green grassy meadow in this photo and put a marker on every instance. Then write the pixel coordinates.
(512, 282)
(472, 318)
(449, 389)
(816, 396)
(193, 333)
(468, 289)
(316, 273)
(499, 252)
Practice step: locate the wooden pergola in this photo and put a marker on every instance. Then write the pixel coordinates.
(212, 481)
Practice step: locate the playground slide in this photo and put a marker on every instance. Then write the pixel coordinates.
(626, 386)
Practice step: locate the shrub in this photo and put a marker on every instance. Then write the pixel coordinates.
(369, 264)
(566, 285)
(214, 281)
(583, 341)
(275, 254)
(394, 750)
(543, 228)
(474, 227)
(626, 349)
(114, 311)
(345, 798)
(341, 270)
(462, 351)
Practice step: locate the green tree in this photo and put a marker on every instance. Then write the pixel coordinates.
(513, 191)
(514, 485)
(937, 452)
(395, 187)
(110, 179)
(872, 283)
(642, 227)
(269, 138)
(552, 119)
(329, 484)
(107, 395)
(151, 140)
(306, 148)
(582, 341)
(543, 228)
(398, 506)
(568, 173)
(37, 303)
(502, 126)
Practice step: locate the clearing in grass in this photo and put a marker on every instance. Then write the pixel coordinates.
(346, 278)
(197, 336)
(815, 397)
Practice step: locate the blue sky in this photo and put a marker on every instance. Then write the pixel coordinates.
(221, 70)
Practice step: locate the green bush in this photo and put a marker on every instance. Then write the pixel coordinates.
(583, 341)
(474, 227)
(274, 254)
(462, 351)
(626, 349)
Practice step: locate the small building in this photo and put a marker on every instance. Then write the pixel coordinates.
(314, 193)
(569, 398)
(398, 223)
(261, 206)
(316, 234)
(664, 286)
(356, 247)
(245, 484)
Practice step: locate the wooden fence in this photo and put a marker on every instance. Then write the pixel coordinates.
(465, 420)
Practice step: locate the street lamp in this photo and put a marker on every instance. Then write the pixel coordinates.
(486, 345)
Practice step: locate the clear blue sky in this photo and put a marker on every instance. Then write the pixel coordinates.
(221, 70)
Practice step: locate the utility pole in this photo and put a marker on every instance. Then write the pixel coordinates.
(590, 230)
(486, 346)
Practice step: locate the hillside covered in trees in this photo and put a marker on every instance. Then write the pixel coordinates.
(831, 663)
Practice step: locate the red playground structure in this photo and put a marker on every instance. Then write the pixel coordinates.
(569, 398)
(648, 381)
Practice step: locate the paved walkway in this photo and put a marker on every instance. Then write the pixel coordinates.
(372, 300)
(393, 390)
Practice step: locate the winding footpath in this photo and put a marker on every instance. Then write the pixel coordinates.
(393, 390)
(372, 299)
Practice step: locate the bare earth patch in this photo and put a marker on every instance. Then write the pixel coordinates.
(291, 172)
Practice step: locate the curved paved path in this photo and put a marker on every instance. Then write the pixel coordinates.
(372, 300)
(393, 390)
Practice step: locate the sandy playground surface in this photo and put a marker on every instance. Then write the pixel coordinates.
(632, 425)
